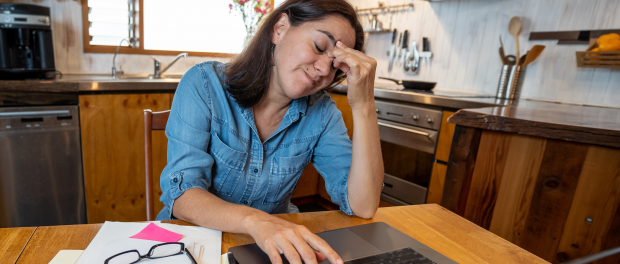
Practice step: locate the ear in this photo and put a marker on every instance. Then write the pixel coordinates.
(280, 28)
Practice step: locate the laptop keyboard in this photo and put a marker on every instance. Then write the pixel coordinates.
(400, 256)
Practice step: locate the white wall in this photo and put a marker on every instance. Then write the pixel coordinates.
(69, 47)
(465, 41)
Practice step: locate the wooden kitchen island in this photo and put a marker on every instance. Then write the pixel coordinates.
(543, 176)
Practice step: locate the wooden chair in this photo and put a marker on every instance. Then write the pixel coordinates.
(152, 121)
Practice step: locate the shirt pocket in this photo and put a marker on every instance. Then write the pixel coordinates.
(283, 176)
(228, 166)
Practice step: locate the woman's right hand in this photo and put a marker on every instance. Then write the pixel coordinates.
(277, 236)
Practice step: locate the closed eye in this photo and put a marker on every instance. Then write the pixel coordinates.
(319, 49)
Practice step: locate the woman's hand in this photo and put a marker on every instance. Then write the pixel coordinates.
(276, 236)
(360, 70)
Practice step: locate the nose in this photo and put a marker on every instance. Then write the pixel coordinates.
(323, 65)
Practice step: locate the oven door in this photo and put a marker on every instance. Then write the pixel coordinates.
(408, 155)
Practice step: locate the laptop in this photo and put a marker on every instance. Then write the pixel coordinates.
(355, 245)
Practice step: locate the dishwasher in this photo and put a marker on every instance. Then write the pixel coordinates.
(41, 181)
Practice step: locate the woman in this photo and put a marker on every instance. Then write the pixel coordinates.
(240, 134)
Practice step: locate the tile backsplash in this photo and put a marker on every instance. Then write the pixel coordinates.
(464, 36)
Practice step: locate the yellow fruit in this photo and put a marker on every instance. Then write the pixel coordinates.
(609, 45)
(607, 37)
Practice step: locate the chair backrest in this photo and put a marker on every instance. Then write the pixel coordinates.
(152, 121)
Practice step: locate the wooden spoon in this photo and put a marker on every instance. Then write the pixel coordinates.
(514, 27)
(533, 54)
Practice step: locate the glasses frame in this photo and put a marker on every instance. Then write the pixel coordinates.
(149, 255)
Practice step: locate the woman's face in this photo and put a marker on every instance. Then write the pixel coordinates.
(302, 65)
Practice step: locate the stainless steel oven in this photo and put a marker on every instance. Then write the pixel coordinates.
(408, 141)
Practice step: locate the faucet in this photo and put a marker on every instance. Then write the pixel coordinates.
(157, 73)
(114, 59)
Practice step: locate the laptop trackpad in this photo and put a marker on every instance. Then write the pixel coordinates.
(347, 244)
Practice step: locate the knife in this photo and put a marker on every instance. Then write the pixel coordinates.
(393, 49)
(426, 47)
(405, 47)
(400, 41)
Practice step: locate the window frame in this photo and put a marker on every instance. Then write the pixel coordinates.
(139, 49)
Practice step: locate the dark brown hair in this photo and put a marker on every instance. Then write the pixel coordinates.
(248, 74)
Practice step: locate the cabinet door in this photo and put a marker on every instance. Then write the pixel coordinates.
(308, 183)
(444, 144)
(112, 127)
(435, 187)
(446, 133)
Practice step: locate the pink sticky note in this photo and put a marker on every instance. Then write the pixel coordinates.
(156, 233)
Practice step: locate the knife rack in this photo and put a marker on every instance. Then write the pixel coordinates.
(383, 9)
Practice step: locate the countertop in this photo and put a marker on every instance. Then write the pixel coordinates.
(588, 124)
(128, 83)
(585, 124)
(93, 83)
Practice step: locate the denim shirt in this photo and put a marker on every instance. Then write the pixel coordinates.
(213, 145)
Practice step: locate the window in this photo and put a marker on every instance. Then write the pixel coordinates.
(110, 21)
(163, 27)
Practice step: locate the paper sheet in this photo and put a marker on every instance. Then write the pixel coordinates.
(204, 244)
(66, 257)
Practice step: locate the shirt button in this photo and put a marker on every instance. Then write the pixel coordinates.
(255, 170)
(175, 180)
(245, 202)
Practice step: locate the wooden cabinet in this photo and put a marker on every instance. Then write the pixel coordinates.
(442, 154)
(446, 132)
(113, 154)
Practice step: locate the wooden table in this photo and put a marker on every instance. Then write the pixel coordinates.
(430, 224)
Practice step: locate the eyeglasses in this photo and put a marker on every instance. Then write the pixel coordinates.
(157, 251)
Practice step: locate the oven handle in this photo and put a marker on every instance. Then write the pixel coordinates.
(405, 129)
(36, 113)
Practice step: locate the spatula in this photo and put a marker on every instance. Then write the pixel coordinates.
(533, 54)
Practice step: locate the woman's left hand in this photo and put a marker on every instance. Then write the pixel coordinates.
(360, 70)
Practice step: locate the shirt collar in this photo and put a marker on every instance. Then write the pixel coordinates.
(298, 106)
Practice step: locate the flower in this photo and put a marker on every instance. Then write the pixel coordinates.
(258, 10)
(252, 12)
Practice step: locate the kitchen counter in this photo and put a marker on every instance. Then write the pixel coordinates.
(55, 86)
(441, 98)
(93, 83)
(131, 83)
(584, 124)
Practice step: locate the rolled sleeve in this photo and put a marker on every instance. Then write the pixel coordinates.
(332, 155)
(188, 132)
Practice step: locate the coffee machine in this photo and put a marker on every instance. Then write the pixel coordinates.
(26, 48)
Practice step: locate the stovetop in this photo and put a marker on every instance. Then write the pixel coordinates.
(452, 94)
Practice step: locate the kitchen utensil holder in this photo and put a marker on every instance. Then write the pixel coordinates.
(510, 82)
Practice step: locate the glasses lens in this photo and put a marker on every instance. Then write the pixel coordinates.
(166, 250)
(125, 258)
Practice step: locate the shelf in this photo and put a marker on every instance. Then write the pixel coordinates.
(375, 31)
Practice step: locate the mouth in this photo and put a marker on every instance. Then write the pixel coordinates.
(310, 79)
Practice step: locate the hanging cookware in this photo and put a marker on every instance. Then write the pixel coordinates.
(415, 85)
